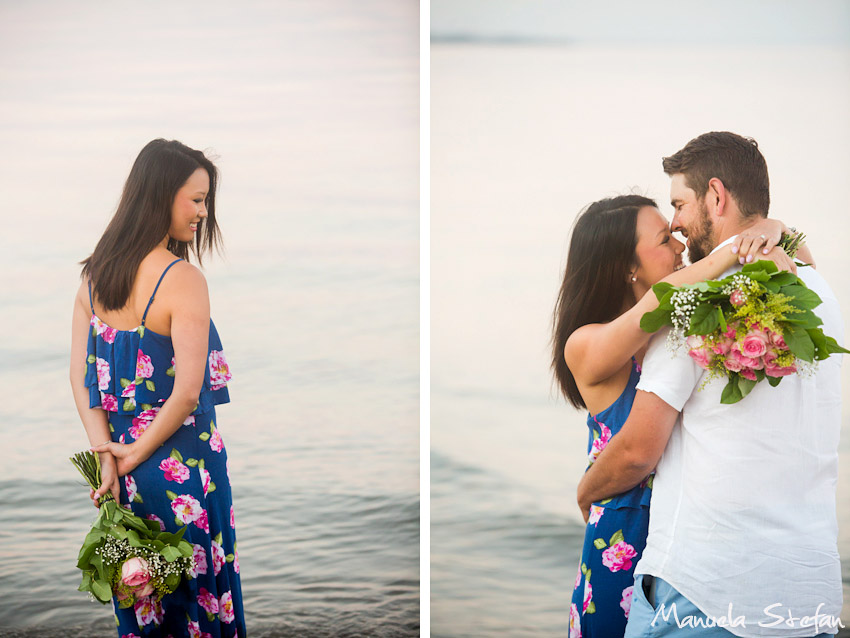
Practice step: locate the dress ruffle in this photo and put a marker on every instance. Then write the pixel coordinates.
(133, 385)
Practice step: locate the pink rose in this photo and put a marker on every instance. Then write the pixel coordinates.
(734, 361)
(626, 603)
(141, 422)
(599, 444)
(778, 341)
(595, 514)
(575, 622)
(216, 444)
(703, 357)
(205, 479)
(174, 470)
(754, 344)
(779, 371)
(103, 376)
(748, 373)
(232, 519)
(208, 601)
(202, 522)
(226, 607)
(736, 352)
(135, 572)
(187, 508)
(738, 298)
(618, 556)
(218, 559)
(731, 330)
(109, 334)
(129, 391)
(199, 554)
(130, 484)
(108, 402)
(723, 346)
(144, 367)
(588, 595)
(219, 370)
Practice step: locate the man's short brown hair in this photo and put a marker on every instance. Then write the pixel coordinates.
(734, 160)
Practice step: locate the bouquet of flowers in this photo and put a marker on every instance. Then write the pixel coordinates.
(125, 555)
(753, 325)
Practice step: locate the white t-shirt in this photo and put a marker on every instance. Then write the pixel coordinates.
(743, 501)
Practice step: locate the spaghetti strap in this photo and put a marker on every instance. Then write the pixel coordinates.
(91, 301)
(150, 301)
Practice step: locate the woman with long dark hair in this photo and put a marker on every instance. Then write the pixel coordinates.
(620, 247)
(147, 371)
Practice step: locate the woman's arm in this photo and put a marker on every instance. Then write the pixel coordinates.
(188, 299)
(94, 420)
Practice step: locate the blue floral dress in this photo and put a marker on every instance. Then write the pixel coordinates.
(130, 374)
(614, 539)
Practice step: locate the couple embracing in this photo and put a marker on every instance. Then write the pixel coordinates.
(703, 518)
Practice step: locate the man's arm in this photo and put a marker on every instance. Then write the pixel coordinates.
(632, 453)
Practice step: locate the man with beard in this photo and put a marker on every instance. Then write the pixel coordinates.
(742, 528)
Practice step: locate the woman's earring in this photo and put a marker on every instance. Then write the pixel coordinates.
(634, 278)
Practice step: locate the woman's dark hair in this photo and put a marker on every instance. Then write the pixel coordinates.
(595, 286)
(143, 218)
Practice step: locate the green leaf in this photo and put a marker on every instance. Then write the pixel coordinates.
(591, 607)
(91, 359)
(141, 331)
(175, 454)
(761, 265)
(819, 339)
(703, 321)
(191, 462)
(149, 385)
(146, 406)
(170, 371)
(101, 591)
(93, 331)
(129, 404)
(85, 585)
(583, 568)
(805, 319)
(218, 538)
(133, 538)
(721, 319)
(784, 278)
(800, 343)
(178, 521)
(600, 543)
(137, 498)
(210, 616)
(833, 347)
(170, 553)
(125, 382)
(774, 381)
(616, 538)
(172, 581)
(661, 289)
(655, 320)
(731, 393)
(201, 464)
(111, 427)
(587, 575)
(230, 557)
(802, 297)
(204, 436)
(211, 488)
(138, 380)
(745, 386)
(171, 496)
(606, 501)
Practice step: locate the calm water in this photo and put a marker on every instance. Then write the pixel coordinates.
(522, 138)
(312, 109)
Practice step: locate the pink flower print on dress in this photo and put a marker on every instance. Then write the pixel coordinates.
(216, 444)
(219, 370)
(108, 402)
(575, 622)
(226, 607)
(103, 377)
(187, 508)
(154, 517)
(232, 519)
(618, 556)
(578, 579)
(626, 603)
(599, 443)
(174, 470)
(203, 522)
(595, 514)
(208, 601)
(141, 422)
(130, 636)
(235, 560)
(130, 484)
(109, 334)
(205, 479)
(129, 391)
(588, 596)
(144, 367)
(218, 559)
(195, 630)
(148, 610)
(200, 556)
(190, 420)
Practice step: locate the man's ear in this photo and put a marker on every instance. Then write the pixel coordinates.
(716, 197)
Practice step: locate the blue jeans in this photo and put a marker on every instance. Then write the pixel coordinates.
(647, 619)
